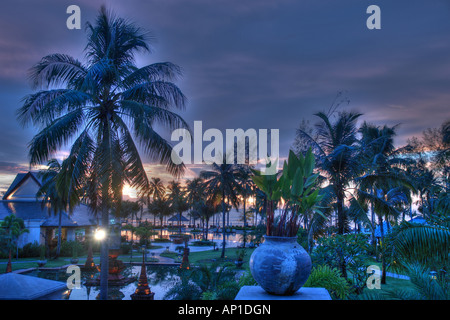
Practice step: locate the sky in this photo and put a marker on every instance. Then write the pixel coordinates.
(261, 64)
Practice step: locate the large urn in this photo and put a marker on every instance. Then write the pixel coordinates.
(280, 265)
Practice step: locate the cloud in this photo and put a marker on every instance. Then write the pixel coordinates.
(255, 64)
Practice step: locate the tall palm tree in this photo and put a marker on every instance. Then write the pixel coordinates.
(161, 208)
(156, 190)
(195, 193)
(335, 146)
(177, 199)
(105, 103)
(222, 181)
(384, 183)
(246, 187)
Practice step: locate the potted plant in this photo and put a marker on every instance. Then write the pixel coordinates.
(280, 265)
(74, 259)
(42, 260)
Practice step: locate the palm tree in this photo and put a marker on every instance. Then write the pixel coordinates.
(206, 208)
(384, 183)
(246, 187)
(222, 181)
(156, 190)
(103, 103)
(53, 197)
(161, 208)
(334, 143)
(12, 227)
(177, 199)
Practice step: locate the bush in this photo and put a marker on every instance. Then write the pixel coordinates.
(330, 279)
(200, 243)
(125, 248)
(30, 250)
(67, 249)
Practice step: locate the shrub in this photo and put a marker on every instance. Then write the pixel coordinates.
(202, 243)
(68, 248)
(330, 279)
(30, 250)
(125, 248)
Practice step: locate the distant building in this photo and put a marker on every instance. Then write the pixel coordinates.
(20, 199)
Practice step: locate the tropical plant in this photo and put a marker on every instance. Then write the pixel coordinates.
(246, 187)
(144, 231)
(335, 145)
(349, 250)
(104, 102)
(221, 181)
(297, 187)
(427, 245)
(156, 191)
(324, 276)
(177, 199)
(217, 278)
(12, 227)
(54, 197)
(161, 208)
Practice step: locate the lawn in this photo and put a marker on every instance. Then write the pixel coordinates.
(391, 284)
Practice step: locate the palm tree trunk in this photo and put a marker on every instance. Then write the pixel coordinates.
(223, 224)
(58, 247)
(245, 225)
(383, 258)
(374, 242)
(104, 263)
(9, 265)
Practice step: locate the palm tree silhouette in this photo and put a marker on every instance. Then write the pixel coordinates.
(105, 104)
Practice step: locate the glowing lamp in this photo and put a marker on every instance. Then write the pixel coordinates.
(100, 234)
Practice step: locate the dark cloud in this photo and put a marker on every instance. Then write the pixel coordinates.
(256, 64)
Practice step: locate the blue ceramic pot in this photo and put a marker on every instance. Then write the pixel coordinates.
(280, 265)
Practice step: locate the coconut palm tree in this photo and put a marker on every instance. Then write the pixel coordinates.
(161, 208)
(246, 187)
(177, 199)
(222, 181)
(334, 144)
(105, 104)
(195, 192)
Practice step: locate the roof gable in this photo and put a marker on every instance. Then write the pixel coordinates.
(26, 181)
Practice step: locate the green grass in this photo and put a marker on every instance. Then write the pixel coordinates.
(391, 284)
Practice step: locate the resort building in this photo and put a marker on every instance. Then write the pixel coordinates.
(20, 199)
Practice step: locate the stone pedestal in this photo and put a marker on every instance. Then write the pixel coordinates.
(258, 293)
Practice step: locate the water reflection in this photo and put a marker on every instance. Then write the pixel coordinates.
(161, 279)
(232, 237)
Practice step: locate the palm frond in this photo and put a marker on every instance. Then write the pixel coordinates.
(55, 135)
(56, 69)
